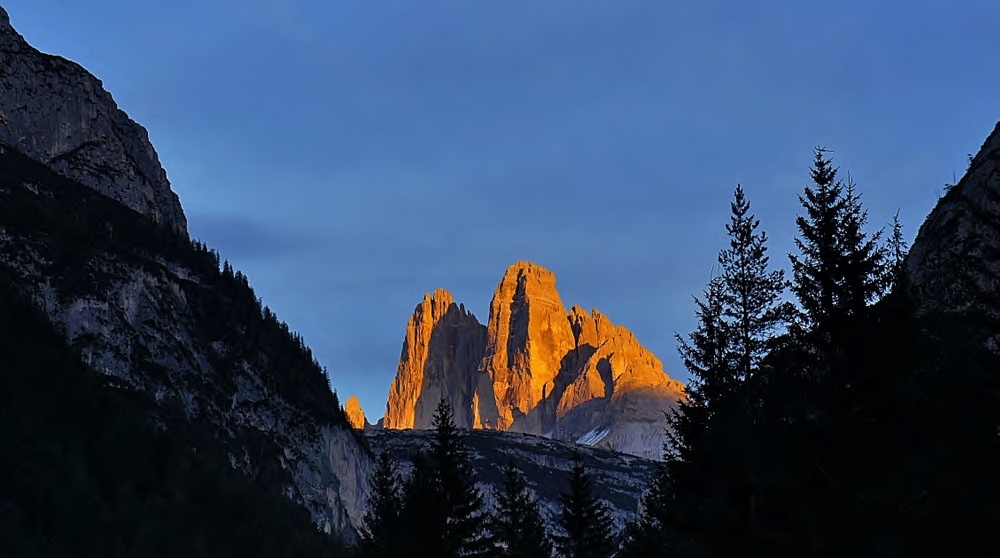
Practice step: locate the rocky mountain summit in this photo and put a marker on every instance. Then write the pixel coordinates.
(534, 368)
(56, 112)
(443, 341)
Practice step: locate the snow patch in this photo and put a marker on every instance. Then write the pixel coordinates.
(592, 437)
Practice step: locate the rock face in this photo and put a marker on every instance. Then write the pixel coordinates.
(539, 369)
(355, 415)
(443, 347)
(147, 314)
(620, 393)
(618, 479)
(956, 254)
(55, 112)
(79, 186)
(529, 337)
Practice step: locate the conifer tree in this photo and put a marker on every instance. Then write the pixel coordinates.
(751, 299)
(897, 255)
(703, 498)
(456, 481)
(819, 415)
(840, 271)
(707, 352)
(663, 526)
(380, 530)
(673, 518)
(424, 515)
(585, 520)
(865, 270)
(815, 270)
(442, 508)
(692, 436)
(840, 268)
(516, 525)
(753, 313)
(676, 516)
(711, 474)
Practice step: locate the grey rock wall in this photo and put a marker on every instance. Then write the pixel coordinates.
(955, 259)
(139, 319)
(619, 479)
(56, 112)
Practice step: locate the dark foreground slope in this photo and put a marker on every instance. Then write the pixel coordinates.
(92, 469)
(152, 310)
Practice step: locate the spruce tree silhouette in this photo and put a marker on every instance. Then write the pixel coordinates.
(704, 498)
(381, 529)
(442, 508)
(586, 523)
(516, 525)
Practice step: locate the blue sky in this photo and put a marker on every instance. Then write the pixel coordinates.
(351, 156)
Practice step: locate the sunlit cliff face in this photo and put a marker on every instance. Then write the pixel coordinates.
(355, 415)
(443, 343)
(534, 368)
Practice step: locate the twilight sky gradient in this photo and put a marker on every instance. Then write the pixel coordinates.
(351, 156)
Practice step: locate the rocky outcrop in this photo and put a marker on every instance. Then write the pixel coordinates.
(442, 349)
(955, 258)
(146, 318)
(617, 479)
(573, 375)
(57, 113)
(155, 312)
(620, 396)
(134, 307)
(355, 415)
(528, 338)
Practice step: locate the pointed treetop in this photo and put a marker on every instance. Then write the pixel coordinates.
(823, 172)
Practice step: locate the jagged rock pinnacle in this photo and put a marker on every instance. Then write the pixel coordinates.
(536, 369)
(443, 346)
(528, 337)
(355, 415)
